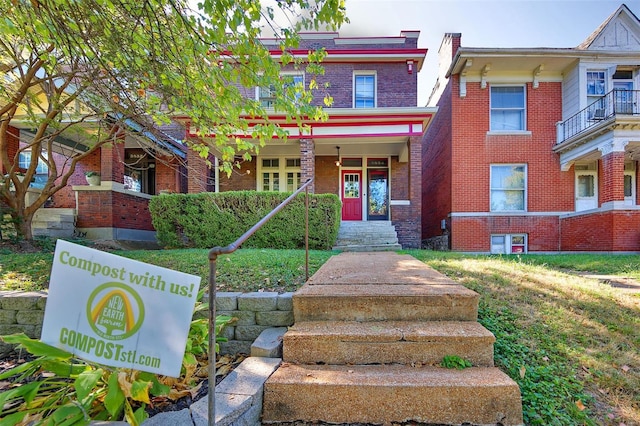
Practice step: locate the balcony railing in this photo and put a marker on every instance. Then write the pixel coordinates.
(617, 102)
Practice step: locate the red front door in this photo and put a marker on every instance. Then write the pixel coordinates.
(351, 195)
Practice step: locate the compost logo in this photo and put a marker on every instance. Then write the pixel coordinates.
(115, 311)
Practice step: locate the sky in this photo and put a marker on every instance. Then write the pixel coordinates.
(482, 23)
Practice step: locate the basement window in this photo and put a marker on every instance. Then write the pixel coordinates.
(509, 244)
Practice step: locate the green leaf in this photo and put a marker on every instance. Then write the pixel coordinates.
(64, 368)
(157, 388)
(114, 400)
(85, 383)
(12, 419)
(17, 393)
(36, 347)
(19, 369)
(140, 414)
(67, 415)
(140, 391)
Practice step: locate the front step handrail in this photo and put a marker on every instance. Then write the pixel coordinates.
(213, 257)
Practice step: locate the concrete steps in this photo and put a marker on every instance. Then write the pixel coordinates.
(404, 342)
(367, 236)
(385, 394)
(370, 332)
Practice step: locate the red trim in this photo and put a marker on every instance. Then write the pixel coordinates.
(343, 52)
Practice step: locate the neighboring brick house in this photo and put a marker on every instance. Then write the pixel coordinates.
(537, 149)
(116, 209)
(369, 150)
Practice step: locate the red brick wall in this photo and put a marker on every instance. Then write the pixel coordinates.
(327, 176)
(408, 219)
(242, 179)
(473, 233)
(13, 143)
(473, 151)
(612, 177)
(399, 179)
(436, 168)
(603, 231)
(197, 172)
(106, 209)
(395, 86)
(167, 175)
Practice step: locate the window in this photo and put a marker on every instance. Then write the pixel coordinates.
(267, 95)
(364, 90)
(508, 244)
(277, 175)
(42, 169)
(596, 83)
(507, 108)
(508, 185)
(596, 88)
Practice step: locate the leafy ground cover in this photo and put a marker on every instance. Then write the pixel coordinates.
(571, 342)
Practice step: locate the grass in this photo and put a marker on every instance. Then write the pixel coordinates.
(245, 270)
(571, 342)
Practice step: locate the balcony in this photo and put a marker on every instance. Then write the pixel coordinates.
(600, 115)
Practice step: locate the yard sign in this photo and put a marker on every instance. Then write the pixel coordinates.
(117, 311)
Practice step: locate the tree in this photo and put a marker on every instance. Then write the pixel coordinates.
(84, 71)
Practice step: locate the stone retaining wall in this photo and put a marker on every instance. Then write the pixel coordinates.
(23, 313)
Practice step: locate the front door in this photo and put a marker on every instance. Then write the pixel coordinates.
(586, 190)
(378, 201)
(351, 195)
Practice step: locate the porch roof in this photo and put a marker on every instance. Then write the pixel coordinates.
(361, 131)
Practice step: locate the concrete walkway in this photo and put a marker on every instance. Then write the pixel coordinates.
(381, 277)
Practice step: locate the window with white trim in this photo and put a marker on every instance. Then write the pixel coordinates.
(267, 95)
(508, 187)
(272, 171)
(42, 169)
(596, 89)
(508, 108)
(508, 243)
(364, 90)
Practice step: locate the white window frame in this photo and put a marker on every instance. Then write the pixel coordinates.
(508, 245)
(373, 74)
(282, 169)
(42, 169)
(271, 99)
(583, 203)
(630, 170)
(524, 189)
(523, 109)
(597, 110)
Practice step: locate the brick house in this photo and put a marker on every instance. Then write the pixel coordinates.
(368, 152)
(537, 149)
(116, 208)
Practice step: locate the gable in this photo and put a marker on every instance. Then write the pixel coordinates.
(621, 31)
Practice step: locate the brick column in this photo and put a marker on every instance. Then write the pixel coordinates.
(307, 162)
(112, 161)
(613, 171)
(13, 143)
(197, 172)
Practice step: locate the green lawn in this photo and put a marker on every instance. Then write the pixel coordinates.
(572, 343)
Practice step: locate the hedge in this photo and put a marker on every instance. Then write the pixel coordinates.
(208, 219)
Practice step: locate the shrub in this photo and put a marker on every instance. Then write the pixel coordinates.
(208, 219)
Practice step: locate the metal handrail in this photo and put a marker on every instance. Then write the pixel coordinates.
(213, 257)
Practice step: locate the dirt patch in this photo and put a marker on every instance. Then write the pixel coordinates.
(624, 284)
